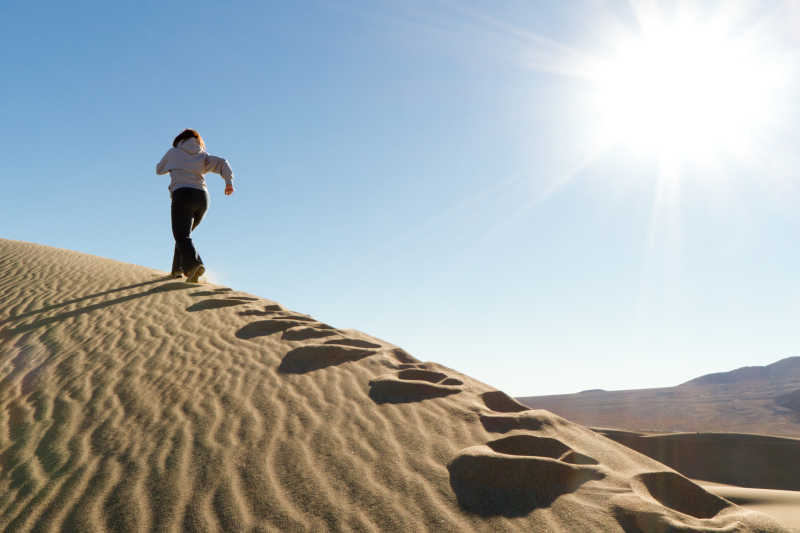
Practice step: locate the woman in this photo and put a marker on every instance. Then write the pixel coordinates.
(186, 163)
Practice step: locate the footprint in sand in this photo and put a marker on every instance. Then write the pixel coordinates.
(636, 510)
(218, 304)
(677, 492)
(301, 333)
(405, 357)
(533, 445)
(213, 292)
(513, 475)
(513, 421)
(262, 328)
(358, 343)
(509, 415)
(413, 383)
(316, 356)
(268, 310)
(501, 402)
(294, 328)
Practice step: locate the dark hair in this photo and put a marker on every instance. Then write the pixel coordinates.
(188, 134)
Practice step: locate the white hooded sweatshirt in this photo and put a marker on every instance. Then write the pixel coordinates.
(187, 163)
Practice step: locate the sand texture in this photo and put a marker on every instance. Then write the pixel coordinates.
(133, 402)
(760, 399)
(781, 504)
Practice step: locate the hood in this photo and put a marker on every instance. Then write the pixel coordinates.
(191, 146)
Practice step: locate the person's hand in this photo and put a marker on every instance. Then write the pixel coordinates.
(228, 189)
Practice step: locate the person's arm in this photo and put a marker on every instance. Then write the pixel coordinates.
(161, 167)
(223, 168)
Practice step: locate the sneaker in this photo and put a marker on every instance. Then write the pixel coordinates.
(194, 273)
(176, 274)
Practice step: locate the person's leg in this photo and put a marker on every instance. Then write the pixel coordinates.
(200, 208)
(198, 204)
(182, 217)
(177, 269)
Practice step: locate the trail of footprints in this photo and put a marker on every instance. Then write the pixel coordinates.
(412, 381)
(332, 347)
(510, 475)
(515, 474)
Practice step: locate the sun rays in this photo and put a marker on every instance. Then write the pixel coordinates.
(689, 90)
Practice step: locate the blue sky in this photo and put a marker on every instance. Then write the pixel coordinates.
(437, 174)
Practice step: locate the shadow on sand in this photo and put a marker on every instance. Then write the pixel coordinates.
(82, 299)
(504, 485)
(317, 356)
(174, 286)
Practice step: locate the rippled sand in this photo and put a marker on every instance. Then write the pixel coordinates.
(133, 402)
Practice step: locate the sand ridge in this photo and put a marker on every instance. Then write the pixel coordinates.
(133, 402)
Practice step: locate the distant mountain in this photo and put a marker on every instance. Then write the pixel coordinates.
(784, 370)
(790, 400)
(753, 399)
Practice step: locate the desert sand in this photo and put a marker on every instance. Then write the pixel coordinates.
(133, 402)
(781, 504)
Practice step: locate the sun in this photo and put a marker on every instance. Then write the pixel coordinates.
(685, 89)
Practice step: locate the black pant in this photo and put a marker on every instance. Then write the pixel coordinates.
(188, 207)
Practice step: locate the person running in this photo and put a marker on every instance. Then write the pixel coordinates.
(186, 162)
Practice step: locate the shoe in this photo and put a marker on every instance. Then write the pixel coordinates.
(176, 274)
(194, 273)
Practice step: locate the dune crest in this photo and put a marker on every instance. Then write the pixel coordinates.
(132, 402)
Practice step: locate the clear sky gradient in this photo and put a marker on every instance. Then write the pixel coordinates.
(436, 174)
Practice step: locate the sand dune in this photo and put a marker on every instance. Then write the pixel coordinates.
(133, 402)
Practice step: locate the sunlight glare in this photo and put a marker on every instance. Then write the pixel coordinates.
(685, 90)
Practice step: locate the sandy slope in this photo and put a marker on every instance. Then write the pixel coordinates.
(131, 402)
(781, 504)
